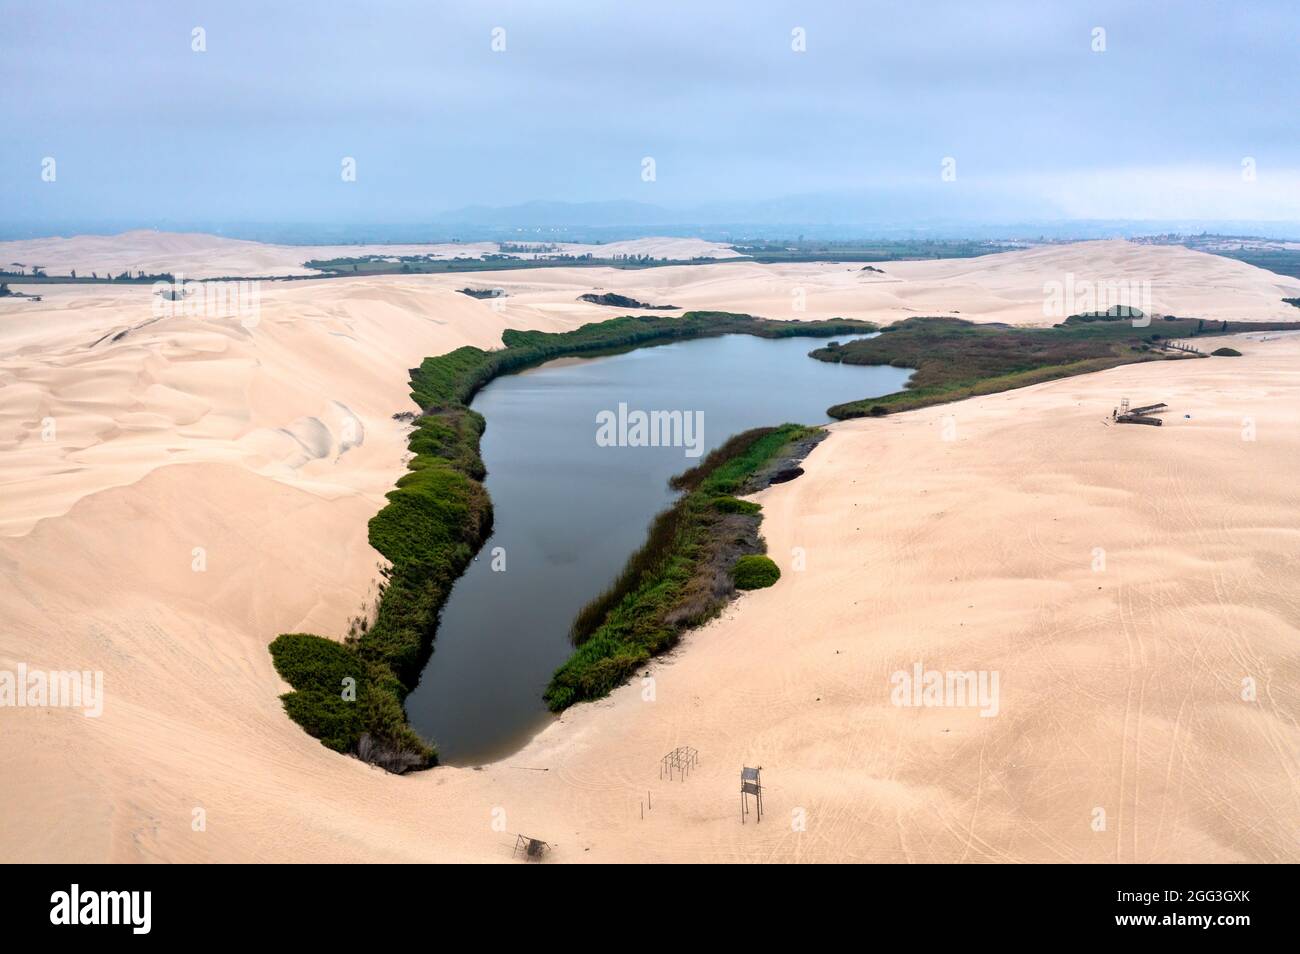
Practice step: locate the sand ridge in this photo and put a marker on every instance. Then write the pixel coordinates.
(197, 255)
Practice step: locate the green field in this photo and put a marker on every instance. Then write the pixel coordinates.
(1281, 261)
(766, 252)
(868, 251)
(420, 265)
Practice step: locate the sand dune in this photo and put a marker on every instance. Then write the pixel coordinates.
(1007, 287)
(212, 256)
(207, 486)
(323, 368)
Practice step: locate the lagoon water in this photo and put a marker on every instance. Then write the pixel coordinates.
(569, 512)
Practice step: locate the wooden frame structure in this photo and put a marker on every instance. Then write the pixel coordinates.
(533, 848)
(751, 784)
(680, 761)
(1138, 415)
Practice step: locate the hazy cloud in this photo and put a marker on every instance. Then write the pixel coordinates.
(255, 127)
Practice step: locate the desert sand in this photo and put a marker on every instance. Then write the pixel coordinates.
(212, 256)
(960, 537)
(1007, 287)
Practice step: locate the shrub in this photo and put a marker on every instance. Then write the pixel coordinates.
(316, 668)
(672, 583)
(309, 662)
(754, 572)
(1226, 353)
(325, 716)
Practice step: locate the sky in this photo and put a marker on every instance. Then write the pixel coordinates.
(1178, 110)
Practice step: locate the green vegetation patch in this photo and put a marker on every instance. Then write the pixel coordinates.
(435, 521)
(681, 577)
(816, 250)
(1226, 353)
(493, 262)
(754, 572)
(549, 256)
(1280, 261)
(956, 359)
(729, 504)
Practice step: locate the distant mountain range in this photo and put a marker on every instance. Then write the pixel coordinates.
(917, 212)
(914, 213)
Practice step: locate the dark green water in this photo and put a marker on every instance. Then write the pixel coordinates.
(569, 512)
